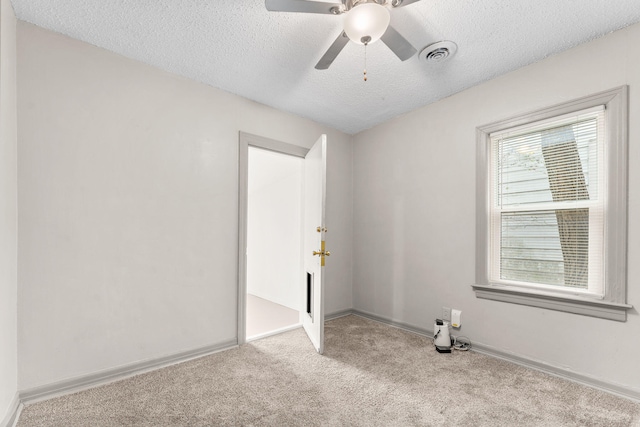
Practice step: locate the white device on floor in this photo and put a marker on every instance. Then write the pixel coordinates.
(441, 337)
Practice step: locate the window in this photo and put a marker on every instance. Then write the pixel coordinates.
(551, 207)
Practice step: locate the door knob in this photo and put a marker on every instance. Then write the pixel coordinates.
(322, 253)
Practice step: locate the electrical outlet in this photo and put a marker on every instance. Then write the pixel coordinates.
(446, 314)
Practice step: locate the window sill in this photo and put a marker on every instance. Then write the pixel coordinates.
(577, 305)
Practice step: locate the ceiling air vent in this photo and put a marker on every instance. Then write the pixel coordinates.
(438, 52)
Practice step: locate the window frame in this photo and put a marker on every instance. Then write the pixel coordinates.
(613, 305)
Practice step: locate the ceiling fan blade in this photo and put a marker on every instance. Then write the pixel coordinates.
(302, 6)
(332, 52)
(400, 3)
(398, 44)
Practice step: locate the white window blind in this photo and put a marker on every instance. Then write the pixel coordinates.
(547, 204)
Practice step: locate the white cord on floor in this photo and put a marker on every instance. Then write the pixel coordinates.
(462, 345)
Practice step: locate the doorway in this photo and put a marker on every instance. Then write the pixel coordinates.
(247, 142)
(274, 239)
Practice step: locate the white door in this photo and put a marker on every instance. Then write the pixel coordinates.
(315, 180)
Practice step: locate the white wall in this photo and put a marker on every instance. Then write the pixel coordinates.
(274, 237)
(128, 194)
(339, 219)
(8, 209)
(414, 201)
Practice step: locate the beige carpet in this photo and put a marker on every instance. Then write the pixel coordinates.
(371, 375)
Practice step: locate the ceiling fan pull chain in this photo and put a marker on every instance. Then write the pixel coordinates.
(365, 61)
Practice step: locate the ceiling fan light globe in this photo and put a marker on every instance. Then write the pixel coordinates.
(366, 20)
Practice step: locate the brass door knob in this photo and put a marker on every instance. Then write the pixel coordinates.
(322, 253)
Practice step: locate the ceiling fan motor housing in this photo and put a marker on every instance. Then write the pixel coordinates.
(350, 4)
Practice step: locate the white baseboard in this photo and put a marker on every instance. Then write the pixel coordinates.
(84, 382)
(396, 324)
(276, 332)
(589, 381)
(73, 385)
(337, 314)
(12, 412)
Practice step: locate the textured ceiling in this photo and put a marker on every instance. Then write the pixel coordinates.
(269, 57)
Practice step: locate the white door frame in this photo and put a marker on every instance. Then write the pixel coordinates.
(248, 140)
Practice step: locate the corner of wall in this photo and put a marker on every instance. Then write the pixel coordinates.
(352, 141)
(8, 216)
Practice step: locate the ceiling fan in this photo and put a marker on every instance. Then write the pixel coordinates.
(365, 22)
